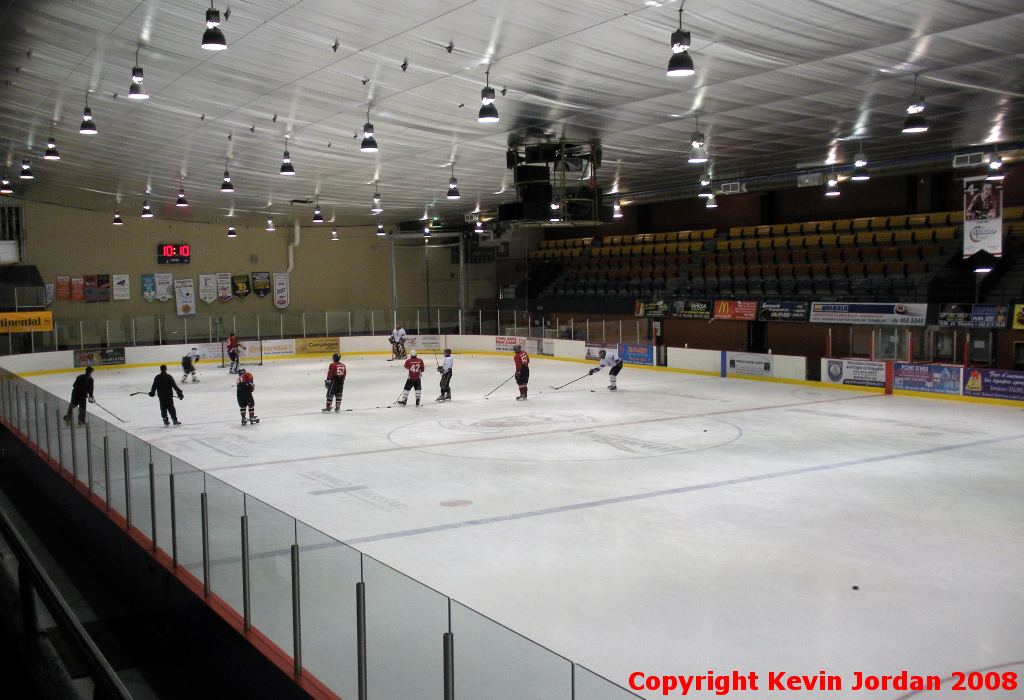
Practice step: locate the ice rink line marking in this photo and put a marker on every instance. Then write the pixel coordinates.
(669, 492)
(489, 438)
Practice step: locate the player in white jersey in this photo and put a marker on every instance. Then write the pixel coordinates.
(609, 358)
(188, 365)
(446, 377)
(397, 342)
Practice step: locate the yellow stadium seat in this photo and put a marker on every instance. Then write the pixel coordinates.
(847, 240)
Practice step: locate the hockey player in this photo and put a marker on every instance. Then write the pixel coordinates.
(165, 387)
(522, 370)
(335, 383)
(609, 359)
(397, 343)
(243, 389)
(188, 365)
(446, 377)
(415, 366)
(81, 391)
(233, 353)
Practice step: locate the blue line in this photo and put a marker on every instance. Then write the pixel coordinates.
(669, 492)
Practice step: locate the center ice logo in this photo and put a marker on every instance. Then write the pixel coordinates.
(501, 424)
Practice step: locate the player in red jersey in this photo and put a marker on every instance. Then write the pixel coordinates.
(522, 370)
(415, 366)
(232, 349)
(244, 388)
(335, 383)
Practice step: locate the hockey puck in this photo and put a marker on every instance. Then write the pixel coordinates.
(592, 391)
(856, 588)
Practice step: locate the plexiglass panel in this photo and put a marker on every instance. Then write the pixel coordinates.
(189, 483)
(590, 686)
(271, 535)
(225, 508)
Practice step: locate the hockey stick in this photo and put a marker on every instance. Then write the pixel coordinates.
(556, 388)
(498, 387)
(97, 404)
(137, 393)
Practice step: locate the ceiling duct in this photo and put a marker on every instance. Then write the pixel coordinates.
(970, 160)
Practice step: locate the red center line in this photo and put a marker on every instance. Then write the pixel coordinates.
(538, 433)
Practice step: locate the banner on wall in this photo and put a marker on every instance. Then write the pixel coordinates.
(697, 310)
(593, 350)
(122, 288)
(1018, 317)
(423, 342)
(282, 296)
(973, 316)
(853, 372)
(89, 288)
(64, 287)
(870, 314)
(103, 287)
(735, 310)
(637, 354)
(932, 379)
(994, 384)
(317, 346)
(25, 321)
(540, 346)
(659, 308)
(211, 351)
(49, 293)
(99, 358)
(77, 289)
(148, 287)
(983, 216)
(505, 343)
(783, 311)
(261, 284)
(208, 288)
(240, 286)
(164, 286)
(185, 297)
(750, 364)
(224, 286)
(271, 348)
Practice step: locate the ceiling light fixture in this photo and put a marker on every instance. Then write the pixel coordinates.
(915, 122)
(26, 170)
(380, 229)
(318, 218)
(225, 185)
(997, 161)
(117, 218)
(231, 232)
(861, 159)
(426, 231)
(376, 208)
(479, 226)
(617, 210)
(213, 37)
(681, 64)
(705, 186)
(369, 144)
(270, 224)
(147, 213)
(453, 186)
(833, 185)
(334, 234)
(182, 202)
(286, 161)
(996, 167)
(51, 148)
(711, 202)
(5, 187)
(136, 91)
(488, 112)
(697, 154)
(88, 125)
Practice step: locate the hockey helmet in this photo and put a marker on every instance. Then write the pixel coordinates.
(447, 352)
(241, 371)
(232, 334)
(517, 348)
(195, 349)
(336, 357)
(602, 353)
(412, 353)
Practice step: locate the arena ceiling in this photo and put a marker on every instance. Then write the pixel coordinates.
(779, 87)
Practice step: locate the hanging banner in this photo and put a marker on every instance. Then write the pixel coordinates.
(282, 296)
(122, 290)
(148, 287)
(973, 316)
(870, 314)
(240, 286)
(89, 288)
(224, 286)
(783, 311)
(698, 310)
(208, 288)
(652, 309)
(983, 216)
(853, 372)
(184, 297)
(164, 285)
(261, 284)
(77, 289)
(49, 293)
(64, 287)
(735, 310)
(25, 321)
(1018, 317)
(102, 287)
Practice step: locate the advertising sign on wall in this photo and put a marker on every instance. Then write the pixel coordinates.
(185, 297)
(64, 287)
(317, 346)
(594, 349)
(750, 364)
(735, 310)
(652, 309)
(164, 286)
(208, 288)
(870, 314)
(25, 321)
(973, 316)
(933, 379)
(637, 354)
(99, 358)
(77, 289)
(504, 343)
(540, 346)
(272, 348)
(994, 384)
(983, 216)
(261, 284)
(698, 310)
(211, 351)
(149, 287)
(1018, 317)
(122, 288)
(425, 342)
(281, 293)
(783, 311)
(224, 286)
(853, 372)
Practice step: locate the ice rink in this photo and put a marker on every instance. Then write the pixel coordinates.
(683, 525)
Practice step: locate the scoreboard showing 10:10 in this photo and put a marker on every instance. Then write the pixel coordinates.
(167, 253)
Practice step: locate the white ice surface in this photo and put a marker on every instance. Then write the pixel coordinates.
(682, 525)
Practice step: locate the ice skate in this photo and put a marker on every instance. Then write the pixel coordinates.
(254, 419)
(521, 397)
(325, 410)
(440, 398)
(243, 420)
(167, 423)
(611, 387)
(400, 403)
(177, 422)
(67, 419)
(337, 409)
(195, 380)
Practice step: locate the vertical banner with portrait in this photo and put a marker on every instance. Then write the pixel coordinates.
(983, 216)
